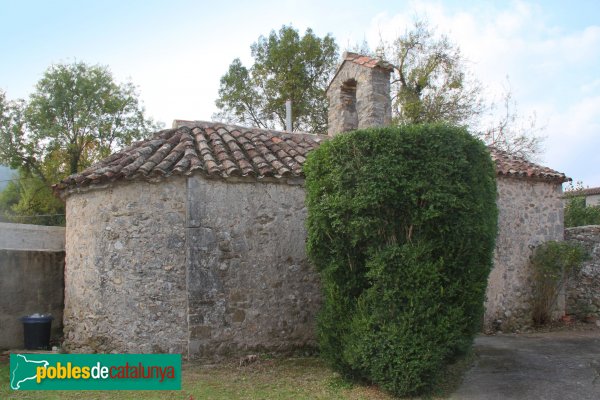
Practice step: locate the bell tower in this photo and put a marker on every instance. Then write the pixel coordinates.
(359, 94)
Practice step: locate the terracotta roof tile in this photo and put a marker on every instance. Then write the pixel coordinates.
(367, 61)
(583, 192)
(518, 167)
(223, 151)
(360, 59)
(215, 149)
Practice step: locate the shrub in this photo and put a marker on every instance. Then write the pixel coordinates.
(401, 225)
(552, 263)
(577, 214)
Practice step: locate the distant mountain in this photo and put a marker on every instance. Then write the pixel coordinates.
(5, 173)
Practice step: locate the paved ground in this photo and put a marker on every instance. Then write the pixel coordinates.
(549, 366)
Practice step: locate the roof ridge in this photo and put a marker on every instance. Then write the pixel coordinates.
(590, 191)
(177, 123)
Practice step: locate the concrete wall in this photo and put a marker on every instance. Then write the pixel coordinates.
(530, 213)
(583, 289)
(125, 269)
(31, 237)
(250, 285)
(592, 200)
(31, 278)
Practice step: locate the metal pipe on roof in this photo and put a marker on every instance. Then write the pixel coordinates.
(288, 115)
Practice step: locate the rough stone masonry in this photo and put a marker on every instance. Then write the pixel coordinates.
(583, 288)
(194, 266)
(359, 95)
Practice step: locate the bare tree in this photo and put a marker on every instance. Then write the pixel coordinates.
(510, 131)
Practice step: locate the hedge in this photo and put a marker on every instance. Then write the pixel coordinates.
(401, 225)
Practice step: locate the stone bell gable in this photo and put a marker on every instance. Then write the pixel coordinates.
(359, 94)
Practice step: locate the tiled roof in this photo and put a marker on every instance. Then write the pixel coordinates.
(215, 149)
(590, 191)
(366, 60)
(224, 151)
(518, 167)
(583, 192)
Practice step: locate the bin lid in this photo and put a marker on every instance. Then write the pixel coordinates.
(37, 318)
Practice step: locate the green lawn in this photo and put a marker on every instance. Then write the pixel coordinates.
(278, 378)
(285, 378)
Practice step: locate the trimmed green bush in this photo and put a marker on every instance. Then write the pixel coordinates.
(401, 225)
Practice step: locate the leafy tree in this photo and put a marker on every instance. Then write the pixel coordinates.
(576, 211)
(286, 66)
(30, 200)
(430, 82)
(12, 135)
(76, 116)
(9, 196)
(81, 113)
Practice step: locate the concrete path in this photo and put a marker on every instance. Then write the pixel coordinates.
(549, 366)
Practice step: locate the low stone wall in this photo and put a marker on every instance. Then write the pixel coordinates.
(31, 278)
(583, 289)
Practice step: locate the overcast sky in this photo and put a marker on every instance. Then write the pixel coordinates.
(176, 51)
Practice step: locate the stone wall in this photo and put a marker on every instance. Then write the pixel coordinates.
(250, 285)
(210, 269)
(583, 289)
(530, 213)
(371, 105)
(125, 272)
(201, 267)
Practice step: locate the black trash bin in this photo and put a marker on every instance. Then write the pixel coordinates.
(36, 331)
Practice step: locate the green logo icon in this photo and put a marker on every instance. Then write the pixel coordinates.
(23, 369)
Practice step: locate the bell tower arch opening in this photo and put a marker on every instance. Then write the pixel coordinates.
(348, 100)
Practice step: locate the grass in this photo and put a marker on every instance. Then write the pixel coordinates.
(283, 378)
(278, 378)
